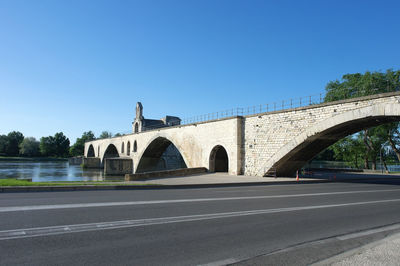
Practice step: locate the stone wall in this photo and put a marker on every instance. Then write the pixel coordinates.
(256, 143)
(91, 162)
(118, 166)
(264, 135)
(194, 142)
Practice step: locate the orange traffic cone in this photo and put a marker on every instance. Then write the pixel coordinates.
(297, 175)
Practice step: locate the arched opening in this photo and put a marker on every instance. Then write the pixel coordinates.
(128, 148)
(111, 152)
(219, 161)
(135, 146)
(305, 147)
(90, 152)
(136, 128)
(160, 155)
(122, 147)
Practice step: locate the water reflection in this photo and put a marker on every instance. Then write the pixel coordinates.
(51, 171)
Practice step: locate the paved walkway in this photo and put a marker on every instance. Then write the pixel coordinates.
(383, 252)
(214, 178)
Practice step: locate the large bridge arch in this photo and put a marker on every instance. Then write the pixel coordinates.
(314, 139)
(110, 152)
(150, 159)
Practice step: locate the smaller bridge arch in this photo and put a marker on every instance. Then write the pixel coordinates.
(110, 152)
(90, 152)
(218, 161)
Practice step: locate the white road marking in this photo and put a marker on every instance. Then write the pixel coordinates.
(126, 203)
(56, 230)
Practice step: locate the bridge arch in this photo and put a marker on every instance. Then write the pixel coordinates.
(110, 152)
(155, 157)
(90, 152)
(218, 161)
(315, 139)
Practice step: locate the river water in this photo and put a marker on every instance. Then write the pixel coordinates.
(50, 171)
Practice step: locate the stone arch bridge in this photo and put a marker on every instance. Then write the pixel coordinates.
(279, 142)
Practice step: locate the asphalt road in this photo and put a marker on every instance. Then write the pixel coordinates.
(259, 225)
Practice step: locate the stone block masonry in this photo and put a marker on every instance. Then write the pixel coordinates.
(118, 166)
(281, 141)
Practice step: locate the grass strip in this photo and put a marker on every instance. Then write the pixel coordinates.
(26, 183)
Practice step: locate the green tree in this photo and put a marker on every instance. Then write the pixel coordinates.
(61, 143)
(14, 139)
(357, 85)
(29, 147)
(57, 145)
(105, 135)
(3, 144)
(350, 150)
(79, 146)
(369, 141)
(47, 146)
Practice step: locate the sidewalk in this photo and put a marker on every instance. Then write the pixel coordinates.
(216, 178)
(382, 252)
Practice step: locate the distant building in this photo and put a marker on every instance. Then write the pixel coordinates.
(141, 124)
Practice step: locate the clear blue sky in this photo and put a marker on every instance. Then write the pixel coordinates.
(75, 66)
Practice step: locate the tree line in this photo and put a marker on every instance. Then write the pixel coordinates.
(368, 147)
(16, 144)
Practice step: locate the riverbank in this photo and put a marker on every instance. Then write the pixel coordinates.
(33, 159)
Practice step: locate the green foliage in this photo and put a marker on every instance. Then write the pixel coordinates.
(349, 150)
(105, 135)
(13, 141)
(3, 144)
(57, 146)
(364, 147)
(29, 147)
(61, 144)
(14, 144)
(79, 146)
(46, 146)
(356, 85)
